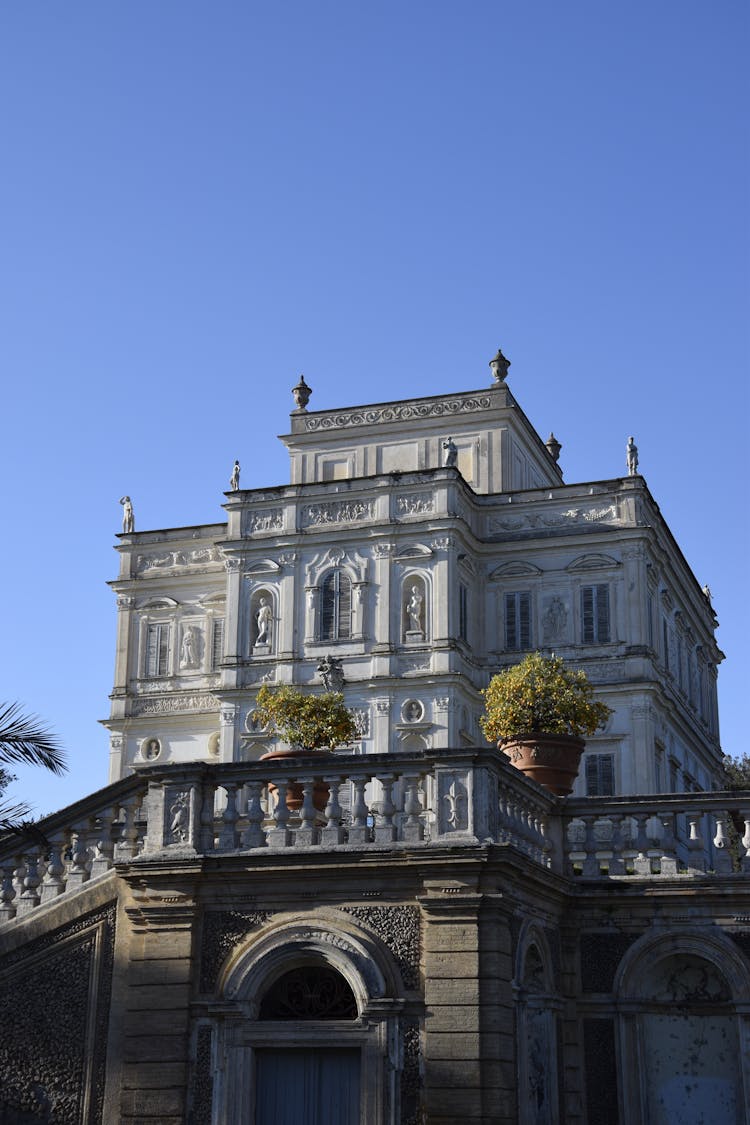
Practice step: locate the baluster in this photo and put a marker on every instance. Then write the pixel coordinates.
(545, 843)
(332, 833)
(104, 848)
(78, 871)
(385, 829)
(279, 836)
(19, 874)
(307, 834)
(668, 858)
(53, 884)
(359, 832)
(228, 835)
(126, 846)
(254, 837)
(413, 829)
(722, 856)
(7, 894)
(617, 846)
(696, 858)
(745, 841)
(642, 862)
(206, 832)
(504, 821)
(29, 899)
(591, 867)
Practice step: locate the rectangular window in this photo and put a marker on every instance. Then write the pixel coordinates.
(600, 775)
(595, 614)
(157, 651)
(463, 612)
(217, 642)
(518, 621)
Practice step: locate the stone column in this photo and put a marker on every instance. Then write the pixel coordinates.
(233, 622)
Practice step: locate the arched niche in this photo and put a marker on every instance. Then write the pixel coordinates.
(537, 1015)
(263, 620)
(684, 1041)
(414, 608)
(308, 1000)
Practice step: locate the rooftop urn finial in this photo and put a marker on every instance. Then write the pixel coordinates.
(302, 393)
(499, 365)
(553, 446)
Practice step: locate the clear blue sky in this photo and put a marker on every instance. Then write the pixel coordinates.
(199, 201)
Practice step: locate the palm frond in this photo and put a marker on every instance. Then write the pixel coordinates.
(24, 738)
(14, 819)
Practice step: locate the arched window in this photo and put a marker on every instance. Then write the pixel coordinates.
(310, 992)
(336, 607)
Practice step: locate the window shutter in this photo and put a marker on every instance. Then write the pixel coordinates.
(587, 614)
(600, 775)
(157, 650)
(602, 614)
(344, 607)
(524, 621)
(163, 649)
(511, 641)
(592, 777)
(217, 642)
(327, 607)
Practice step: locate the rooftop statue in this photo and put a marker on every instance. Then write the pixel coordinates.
(128, 519)
(234, 480)
(632, 457)
(450, 453)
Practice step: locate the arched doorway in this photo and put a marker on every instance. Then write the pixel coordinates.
(307, 1020)
(683, 1044)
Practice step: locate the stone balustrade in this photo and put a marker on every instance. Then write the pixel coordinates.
(668, 834)
(466, 797)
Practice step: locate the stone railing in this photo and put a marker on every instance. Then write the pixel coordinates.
(62, 852)
(382, 801)
(666, 835)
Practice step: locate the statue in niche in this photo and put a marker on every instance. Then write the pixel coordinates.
(555, 619)
(178, 811)
(414, 610)
(264, 622)
(631, 454)
(450, 453)
(187, 652)
(128, 519)
(234, 480)
(332, 673)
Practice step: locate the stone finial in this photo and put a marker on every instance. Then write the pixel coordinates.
(631, 455)
(301, 393)
(499, 365)
(128, 519)
(553, 446)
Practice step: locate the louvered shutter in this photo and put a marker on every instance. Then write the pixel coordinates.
(344, 607)
(587, 614)
(157, 650)
(524, 621)
(328, 607)
(511, 634)
(217, 642)
(602, 614)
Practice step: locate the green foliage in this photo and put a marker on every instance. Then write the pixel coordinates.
(23, 738)
(737, 772)
(305, 720)
(541, 696)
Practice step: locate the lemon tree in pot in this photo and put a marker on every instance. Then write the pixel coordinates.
(311, 724)
(539, 712)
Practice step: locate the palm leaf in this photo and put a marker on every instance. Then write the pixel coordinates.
(24, 738)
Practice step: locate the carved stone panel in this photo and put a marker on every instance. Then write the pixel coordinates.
(222, 931)
(400, 930)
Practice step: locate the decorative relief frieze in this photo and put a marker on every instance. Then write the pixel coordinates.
(415, 505)
(167, 705)
(410, 664)
(271, 519)
(199, 556)
(383, 550)
(580, 516)
(338, 511)
(397, 412)
(400, 930)
(125, 601)
(362, 721)
(222, 931)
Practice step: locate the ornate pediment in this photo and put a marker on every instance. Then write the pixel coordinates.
(592, 561)
(516, 569)
(160, 603)
(262, 566)
(414, 551)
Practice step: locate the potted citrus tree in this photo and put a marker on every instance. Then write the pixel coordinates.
(310, 724)
(539, 712)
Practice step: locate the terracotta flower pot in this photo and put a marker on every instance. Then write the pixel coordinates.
(550, 759)
(294, 792)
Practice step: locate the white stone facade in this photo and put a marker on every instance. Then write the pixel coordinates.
(422, 580)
